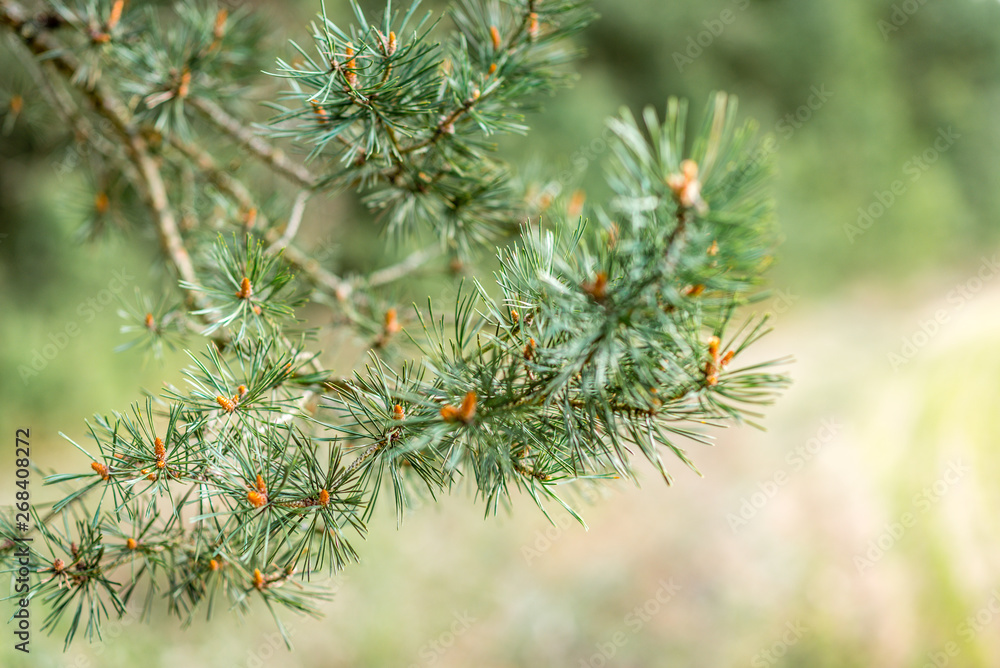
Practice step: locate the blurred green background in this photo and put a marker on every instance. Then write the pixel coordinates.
(859, 530)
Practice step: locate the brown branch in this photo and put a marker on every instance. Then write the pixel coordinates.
(66, 107)
(294, 220)
(216, 176)
(442, 127)
(369, 452)
(260, 147)
(235, 189)
(677, 240)
(105, 103)
(403, 269)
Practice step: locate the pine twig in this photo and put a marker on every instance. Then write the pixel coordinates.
(294, 220)
(260, 147)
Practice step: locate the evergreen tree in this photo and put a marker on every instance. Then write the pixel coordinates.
(599, 338)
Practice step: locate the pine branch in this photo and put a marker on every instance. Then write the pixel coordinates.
(42, 44)
(258, 146)
(404, 268)
(241, 195)
(294, 220)
(612, 337)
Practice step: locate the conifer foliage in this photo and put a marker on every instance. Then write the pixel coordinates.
(600, 338)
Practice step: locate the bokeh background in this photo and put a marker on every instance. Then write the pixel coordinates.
(860, 529)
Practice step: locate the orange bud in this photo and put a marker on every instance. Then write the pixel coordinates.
(258, 579)
(131, 544)
(16, 104)
(256, 499)
(324, 497)
(116, 13)
(686, 186)
(101, 469)
(250, 218)
(713, 364)
(101, 203)
(533, 25)
(493, 68)
(397, 412)
(150, 321)
(495, 37)
(392, 325)
(185, 86)
(321, 114)
(392, 43)
(613, 233)
(246, 289)
(598, 288)
(213, 565)
(161, 452)
(689, 168)
(713, 346)
(352, 77)
(463, 413)
(220, 23)
(576, 202)
(226, 404)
